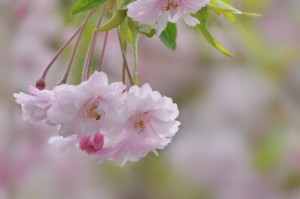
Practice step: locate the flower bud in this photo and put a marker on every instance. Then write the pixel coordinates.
(40, 84)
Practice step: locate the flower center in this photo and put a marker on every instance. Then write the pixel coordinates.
(170, 4)
(90, 110)
(140, 121)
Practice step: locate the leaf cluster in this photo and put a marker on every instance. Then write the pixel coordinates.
(132, 29)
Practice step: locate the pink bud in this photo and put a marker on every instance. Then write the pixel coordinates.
(40, 84)
(91, 145)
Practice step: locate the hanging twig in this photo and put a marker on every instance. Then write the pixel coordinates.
(71, 60)
(125, 62)
(90, 51)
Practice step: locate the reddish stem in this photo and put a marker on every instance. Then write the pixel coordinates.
(103, 51)
(125, 63)
(71, 60)
(40, 84)
(105, 38)
(90, 52)
(59, 53)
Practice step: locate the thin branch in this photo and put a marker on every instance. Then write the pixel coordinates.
(90, 52)
(124, 73)
(71, 60)
(113, 6)
(103, 51)
(59, 53)
(135, 51)
(125, 62)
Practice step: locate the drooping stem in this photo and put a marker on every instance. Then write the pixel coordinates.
(135, 51)
(71, 60)
(90, 52)
(124, 72)
(40, 84)
(105, 39)
(123, 35)
(125, 61)
(103, 51)
(59, 53)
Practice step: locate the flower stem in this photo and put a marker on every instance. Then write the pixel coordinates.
(90, 52)
(40, 84)
(71, 60)
(135, 55)
(103, 51)
(105, 39)
(124, 73)
(125, 63)
(59, 53)
(123, 34)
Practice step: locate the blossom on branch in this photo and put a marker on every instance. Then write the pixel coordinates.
(159, 12)
(86, 108)
(148, 124)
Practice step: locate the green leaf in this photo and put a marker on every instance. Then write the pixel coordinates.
(168, 36)
(221, 7)
(228, 1)
(133, 29)
(202, 16)
(148, 30)
(123, 34)
(231, 17)
(83, 5)
(116, 20)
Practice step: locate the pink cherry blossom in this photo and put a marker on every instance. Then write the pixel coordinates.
(91, 145)
(148, 123)
(36, 105)
(86, 108)
(88, 143)
(159, 12)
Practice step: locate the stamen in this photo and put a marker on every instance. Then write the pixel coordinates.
(90, 110)
(170, 5)
(140, 122)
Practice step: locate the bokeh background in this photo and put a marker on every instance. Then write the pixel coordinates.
(240, 132)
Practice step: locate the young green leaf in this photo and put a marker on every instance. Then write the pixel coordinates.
(169, 35)
(202, 15)
(231, 17)
(123, 34)
(83, 5)
(133, 27)
(223, 7)
(228, 1)
(148, 30)
(116, 20)
(145, 29)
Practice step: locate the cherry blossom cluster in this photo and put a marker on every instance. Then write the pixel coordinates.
(103, 119)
